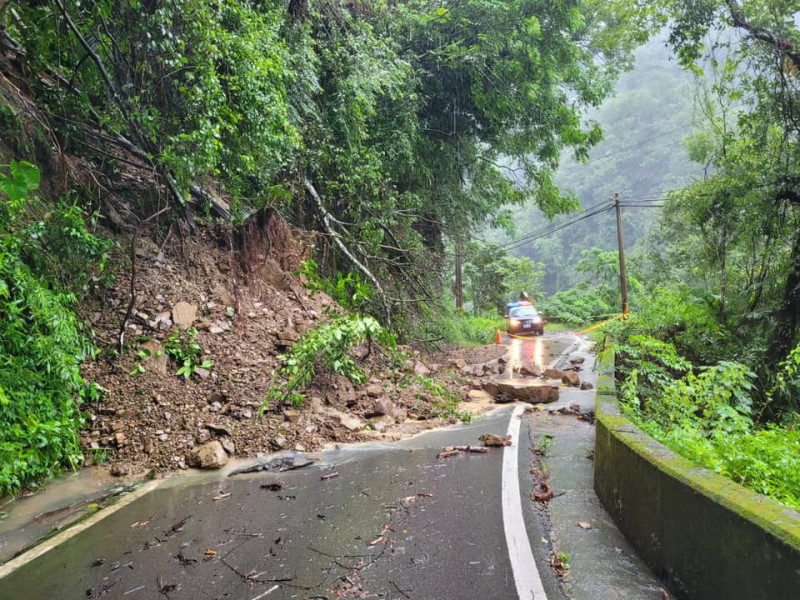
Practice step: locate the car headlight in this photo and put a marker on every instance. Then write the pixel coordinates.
(537, 319)
(513, 322)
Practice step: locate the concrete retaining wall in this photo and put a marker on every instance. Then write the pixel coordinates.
(703, 535)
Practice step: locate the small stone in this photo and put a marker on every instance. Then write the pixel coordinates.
(585, 385)
(584, 525)
(202, 373)
(120, 439)
(292, 416)
(458, 363)
(300, 448)
(215, 407)
(228, 446)
(374, 391)
(553, 374)
(149, 447)
(163, 437)
(167, 416)
(279, 442)
(159, 431)
(120, 470)
(216, 330)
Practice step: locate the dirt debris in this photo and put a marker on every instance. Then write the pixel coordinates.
(250, 308)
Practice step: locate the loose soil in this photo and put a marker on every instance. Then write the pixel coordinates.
(250, 308)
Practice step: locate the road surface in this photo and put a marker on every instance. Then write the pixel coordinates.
(373, 521)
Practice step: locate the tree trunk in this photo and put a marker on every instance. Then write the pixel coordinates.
(785, 332)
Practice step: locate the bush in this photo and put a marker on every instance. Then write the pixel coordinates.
(41, 342)
(578, 306)
(705, 415)
(446, 325)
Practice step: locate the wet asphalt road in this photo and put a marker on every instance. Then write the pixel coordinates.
(395, 523)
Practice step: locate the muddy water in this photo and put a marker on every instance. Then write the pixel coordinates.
(65, 500)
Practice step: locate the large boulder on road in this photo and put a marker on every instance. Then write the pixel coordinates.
(525, 391)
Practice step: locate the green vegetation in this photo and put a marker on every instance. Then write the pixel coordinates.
(327, 345)
(707, 415)
(182, 347)
(47, 258)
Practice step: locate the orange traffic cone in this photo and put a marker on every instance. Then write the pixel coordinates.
(498, 338)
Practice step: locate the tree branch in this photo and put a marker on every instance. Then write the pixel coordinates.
(762, 34)
(326, 218)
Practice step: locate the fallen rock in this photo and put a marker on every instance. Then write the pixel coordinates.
(571, 378)
(374, 391)
(458, 363)
(478, 395)
(420, 369)
(228, 446)
(349, 422)
(280, 442)
(577, 361)
(208, 456)
(184, 314)
(292, 416)
(553, 374)
(383, 406)
(533, 394)
(531, 370)
(491, 388)
(585, 385)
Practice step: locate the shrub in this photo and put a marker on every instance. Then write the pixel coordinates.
(705, 415)
(41, 342)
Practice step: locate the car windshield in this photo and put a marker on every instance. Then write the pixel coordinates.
(524, 312)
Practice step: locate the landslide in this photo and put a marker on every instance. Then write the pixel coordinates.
(236, 286)
(241, 295)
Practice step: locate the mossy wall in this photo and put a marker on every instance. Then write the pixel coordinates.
(705, 536)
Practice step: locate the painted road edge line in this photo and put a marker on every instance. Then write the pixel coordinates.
(37, 551)
(523, 565)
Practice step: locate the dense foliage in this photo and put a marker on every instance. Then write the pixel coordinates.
(723, 263)
(707, 416)
(395, 128)
(47, 256)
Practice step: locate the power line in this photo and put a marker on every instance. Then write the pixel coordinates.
(546, 232)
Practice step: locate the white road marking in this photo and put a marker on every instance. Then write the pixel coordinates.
(526, 575)
(62, 537)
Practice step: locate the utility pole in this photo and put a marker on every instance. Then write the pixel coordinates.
(623, 278)
(459, 291)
